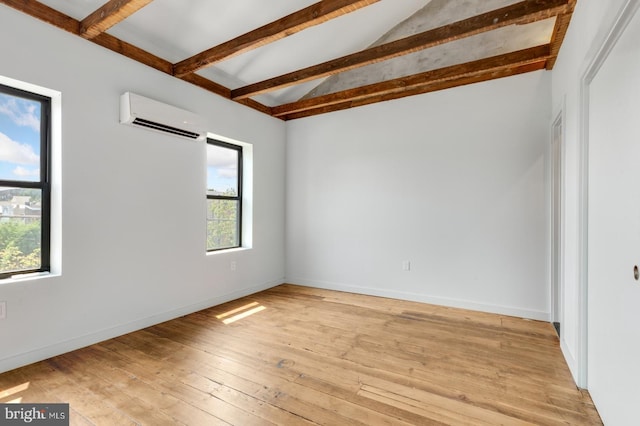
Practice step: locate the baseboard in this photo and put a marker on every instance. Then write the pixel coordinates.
(424, 298)
(46, 352)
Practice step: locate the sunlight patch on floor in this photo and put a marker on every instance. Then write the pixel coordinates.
(240, 313)
(11, 392)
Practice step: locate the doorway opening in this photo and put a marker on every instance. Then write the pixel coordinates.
(556, 222)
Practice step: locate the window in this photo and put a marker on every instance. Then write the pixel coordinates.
(25, 189)
(224, 195)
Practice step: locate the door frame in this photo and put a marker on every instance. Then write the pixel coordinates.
(556, 261)
(602, 47)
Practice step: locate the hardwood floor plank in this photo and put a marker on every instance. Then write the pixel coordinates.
(304, 356)
(235, 344)
(120, 391)
(365, 355)
(446, 379)
(186, 381)
(277, 374)
(273, 394)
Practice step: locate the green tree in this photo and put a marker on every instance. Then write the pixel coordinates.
(222, 222)
(19, 245)
(12, 259)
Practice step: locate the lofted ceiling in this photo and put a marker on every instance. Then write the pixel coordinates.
(298, 58)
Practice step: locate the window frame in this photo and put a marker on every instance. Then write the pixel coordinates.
(43, 184)
(237, 197)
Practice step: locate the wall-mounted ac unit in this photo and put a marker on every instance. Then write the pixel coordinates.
(150, 114)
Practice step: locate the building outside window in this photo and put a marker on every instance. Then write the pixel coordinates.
(25, 187)
(224, 195)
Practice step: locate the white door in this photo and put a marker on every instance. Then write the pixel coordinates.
(614, 233)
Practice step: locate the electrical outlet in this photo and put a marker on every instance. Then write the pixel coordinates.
(3, 310)
(406, 265)
(232, 265)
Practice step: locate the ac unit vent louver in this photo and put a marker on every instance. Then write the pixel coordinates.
(150, 114)
(164, 128)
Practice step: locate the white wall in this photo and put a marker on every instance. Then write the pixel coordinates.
(133, 206)
(590, 19)
(453, 181)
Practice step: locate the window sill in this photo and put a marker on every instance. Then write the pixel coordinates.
(231, 250)
(27, 277)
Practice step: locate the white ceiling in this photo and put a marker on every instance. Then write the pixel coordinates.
(178, 29)
(175, 30)
(503, 40)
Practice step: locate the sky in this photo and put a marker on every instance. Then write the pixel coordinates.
(222, 168)
(19, 138)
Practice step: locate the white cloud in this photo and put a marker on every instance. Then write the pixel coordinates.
(23, 172)
(16, 152)
(21, 112)
(223, 160)
(221, 157)
(228, 173)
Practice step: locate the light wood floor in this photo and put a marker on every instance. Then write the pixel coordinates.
(301, 356)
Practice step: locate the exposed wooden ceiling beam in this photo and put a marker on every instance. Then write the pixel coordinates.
(132, 52)
(302, 19)
(559, 31)
(523, 12)
(58, 19)
(471, 72)
(45, 13)
(207, 84)
(108, 15)
(421, 90)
